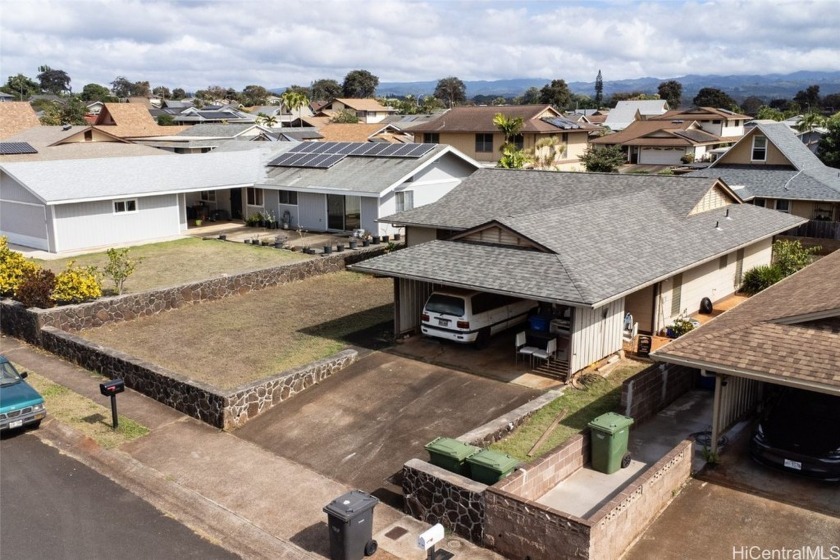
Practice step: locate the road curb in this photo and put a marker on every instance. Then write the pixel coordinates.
(207, 518)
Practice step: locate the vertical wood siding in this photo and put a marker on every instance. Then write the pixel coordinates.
(411, 297)
(738, 398)
(595, 336)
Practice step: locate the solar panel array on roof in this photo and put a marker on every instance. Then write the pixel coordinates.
(9, 148)
(331, 153)
(560, 122)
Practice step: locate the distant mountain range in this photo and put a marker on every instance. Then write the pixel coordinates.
(768, 86)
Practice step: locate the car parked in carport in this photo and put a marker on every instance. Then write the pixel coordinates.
(799, 433)
(20, 404)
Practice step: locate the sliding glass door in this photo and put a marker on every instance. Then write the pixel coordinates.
(344, 213)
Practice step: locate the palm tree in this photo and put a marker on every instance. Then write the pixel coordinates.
(811, 121)
(294, 100)
(512, 157)
(268, 120)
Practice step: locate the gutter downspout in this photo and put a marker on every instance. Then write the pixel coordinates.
(715, 412)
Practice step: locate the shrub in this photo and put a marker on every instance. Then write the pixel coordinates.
(687, 158)
(790, 256)
(76, 284)
(13, 267)
(36, 288)
(760, 277)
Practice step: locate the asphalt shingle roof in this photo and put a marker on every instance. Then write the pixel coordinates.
(612, 234)
(753, 338)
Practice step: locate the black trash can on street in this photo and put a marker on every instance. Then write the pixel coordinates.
(350, 522)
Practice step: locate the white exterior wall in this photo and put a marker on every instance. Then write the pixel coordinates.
(732, 130)
(370, 213)
(594, 335)
(24, 219)
(91, 225)
(662, 156)
(709, 280)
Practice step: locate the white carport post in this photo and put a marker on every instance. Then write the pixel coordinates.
(715, 411)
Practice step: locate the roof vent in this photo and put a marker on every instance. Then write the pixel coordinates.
(67, 127)
(727, 216)
(717, 226)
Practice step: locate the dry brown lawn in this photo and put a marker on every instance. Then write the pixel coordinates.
(186, 260)
(240, 339)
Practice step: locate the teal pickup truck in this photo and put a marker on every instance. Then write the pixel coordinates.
(20, 404)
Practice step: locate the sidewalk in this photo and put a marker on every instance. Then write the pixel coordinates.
(230, 491)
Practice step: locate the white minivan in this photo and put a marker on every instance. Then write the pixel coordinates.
(468, 316)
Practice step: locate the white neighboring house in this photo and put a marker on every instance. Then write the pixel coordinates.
(626, 112)
(85, 204)
(344, 186)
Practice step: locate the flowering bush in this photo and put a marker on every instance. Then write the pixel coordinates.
(76, 284)
(13, 268)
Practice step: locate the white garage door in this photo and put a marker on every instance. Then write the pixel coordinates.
(664, 156)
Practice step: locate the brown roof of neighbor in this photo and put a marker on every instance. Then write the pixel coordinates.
(480, 119)
(132, 120)
(52, 143)
(700, 113)
(658, 133)
(352, 132)
(365, 104)
(16, 116)
(789, 333)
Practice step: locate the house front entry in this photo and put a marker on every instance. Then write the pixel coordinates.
(236, 204)
(344, 213)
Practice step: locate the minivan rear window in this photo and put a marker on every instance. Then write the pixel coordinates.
(445, 305)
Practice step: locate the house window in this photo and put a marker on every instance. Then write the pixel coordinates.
(759, 148)
(288, 197)
(676, 295)
(759, 202)
(431, 138)
(739, 267)
(716, 121)
(783, 206)
(88, 135)
(125, 206)
(483, 143)
(519, 142)
(255, 197)
(405, 200)
(208, 196)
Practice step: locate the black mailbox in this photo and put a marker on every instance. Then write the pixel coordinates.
(112, 387)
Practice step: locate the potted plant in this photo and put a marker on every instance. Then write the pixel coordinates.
(352, 243)
(397, 236)
(327, 249)
(374, 240)
(385, 239)
(339, 247)
(198, 223)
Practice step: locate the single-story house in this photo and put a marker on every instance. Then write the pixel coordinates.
(788, 334)
(771, 167)
(589, 247)
(366, 110)
(343, 186)
(131, 120)
(68, 142)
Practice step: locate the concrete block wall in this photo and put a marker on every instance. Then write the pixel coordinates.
(654, 388)
(538, 477)
(619, 522)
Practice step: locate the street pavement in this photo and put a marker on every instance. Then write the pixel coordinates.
(56, 507)
(250, 500)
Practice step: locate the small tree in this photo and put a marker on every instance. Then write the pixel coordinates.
(828, 149)
(120, 266)
(345, 116)
(790, 256)
(606, 159)
(599, 90)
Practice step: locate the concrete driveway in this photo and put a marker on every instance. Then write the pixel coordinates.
(359, 426)
(707, 521)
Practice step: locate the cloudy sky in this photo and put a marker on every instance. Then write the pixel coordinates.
(274, 43)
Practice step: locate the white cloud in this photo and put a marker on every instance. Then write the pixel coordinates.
(194, 44)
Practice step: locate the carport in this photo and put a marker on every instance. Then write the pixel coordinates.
(787, 335)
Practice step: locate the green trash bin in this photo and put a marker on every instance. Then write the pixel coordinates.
(489, 467)
(451, 454)
(610, 435)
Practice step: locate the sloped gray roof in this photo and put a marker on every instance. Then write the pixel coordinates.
(216, 130)
(625, 112)
(510, 192)
(371, 175)
(67, 181)
(630, 232)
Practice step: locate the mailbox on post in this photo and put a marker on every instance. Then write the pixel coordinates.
(110, 389)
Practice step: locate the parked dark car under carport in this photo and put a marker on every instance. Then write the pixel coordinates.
(800, 433)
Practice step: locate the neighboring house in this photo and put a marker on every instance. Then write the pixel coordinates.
(625, 112)
(15, 117)
(471, 130)
(132, 120)
(202, 138)
(208, 115)
(590, 246)
(95, 107)
(41, 143)
(361, 132)
(788, 334)
(6, 97)
(85, 204)
(344, 186)
(677, 136)
(367, 110)
(771, 167)
(280, 112)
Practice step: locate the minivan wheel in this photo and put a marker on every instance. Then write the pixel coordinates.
(483, 338)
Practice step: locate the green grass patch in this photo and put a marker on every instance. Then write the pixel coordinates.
(598, 396)
(84, 415)
(171, 263)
